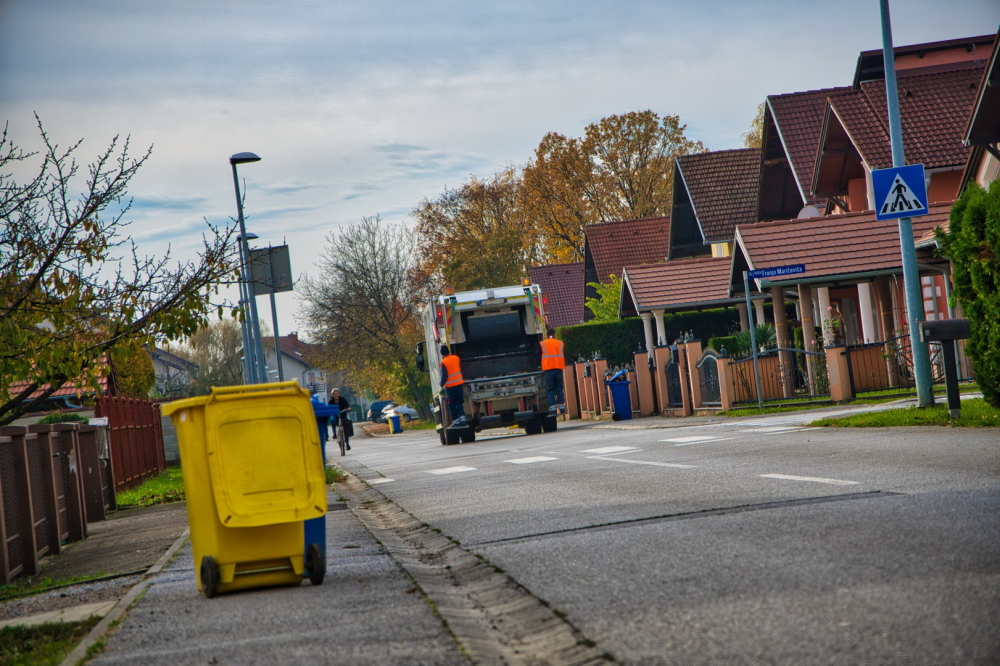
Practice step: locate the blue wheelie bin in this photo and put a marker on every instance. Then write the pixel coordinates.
(395, 424)
(315, 528)
(621, 398)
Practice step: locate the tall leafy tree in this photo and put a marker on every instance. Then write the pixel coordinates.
(622, 168)
(605, 307)
(973, 246)
(477, 235)
(364, 308)
(216, 349)
(754, 136)
(73, 286)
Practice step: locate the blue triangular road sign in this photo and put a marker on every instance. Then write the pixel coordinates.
(900, 192)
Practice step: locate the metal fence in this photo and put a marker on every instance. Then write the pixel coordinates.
(135, 439)
(44, 480)
(786, 375)
(888, 366)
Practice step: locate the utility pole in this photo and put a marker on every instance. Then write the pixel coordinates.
(911, 275)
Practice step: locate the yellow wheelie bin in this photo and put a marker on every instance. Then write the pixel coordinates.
(253, 472)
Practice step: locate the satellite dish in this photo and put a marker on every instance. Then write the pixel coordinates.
(808, 211)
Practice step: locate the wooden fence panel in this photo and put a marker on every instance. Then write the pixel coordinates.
(136, 439)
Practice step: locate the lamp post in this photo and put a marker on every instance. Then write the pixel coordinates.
(252, 349)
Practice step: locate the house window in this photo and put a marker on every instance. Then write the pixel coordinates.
(722, 249)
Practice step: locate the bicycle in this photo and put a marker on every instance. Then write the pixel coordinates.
(341, 438)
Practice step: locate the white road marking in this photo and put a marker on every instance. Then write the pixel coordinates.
(451, 470)
(773, 429)
(640, 462)
(613, 449)
(835, 482)
(372, 482)
(525, 461)
(690, 440)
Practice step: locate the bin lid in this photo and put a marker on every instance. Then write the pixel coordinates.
(615, 376)
(321, 409)
(264, 454)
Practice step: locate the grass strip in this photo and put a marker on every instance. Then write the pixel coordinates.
(976, 413)
(26, 587)
(42, 644)
(164, 488)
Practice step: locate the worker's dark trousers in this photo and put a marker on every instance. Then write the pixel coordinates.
(456, 401)
(554, 387)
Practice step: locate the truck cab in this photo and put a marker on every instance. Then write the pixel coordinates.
(495, 333)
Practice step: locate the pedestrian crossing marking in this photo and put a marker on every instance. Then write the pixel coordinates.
(813, 479)
(373, 482)
(451, 470)
(640, 462)
(525, 461)
(690, 440)
(901, 198)
(774, 430)
(613, 449)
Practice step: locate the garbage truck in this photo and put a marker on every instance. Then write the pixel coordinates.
(496, 335)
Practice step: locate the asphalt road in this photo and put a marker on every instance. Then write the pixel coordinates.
(752, 541)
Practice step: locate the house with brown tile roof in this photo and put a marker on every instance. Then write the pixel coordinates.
(297, 363)
(982, 131)
(713, 192)
(562, 292)
(610, 246)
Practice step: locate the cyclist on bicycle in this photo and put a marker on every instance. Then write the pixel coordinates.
(345, 413)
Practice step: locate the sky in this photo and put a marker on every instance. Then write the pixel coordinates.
(364, 108)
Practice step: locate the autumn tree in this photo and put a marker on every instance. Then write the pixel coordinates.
(754, 137)
(605, 307)
(134, 372)
(477, 235)
(73, 287)
(364, 308)
(216, 348)
(621, 169)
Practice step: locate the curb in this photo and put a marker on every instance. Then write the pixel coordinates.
(79, 653)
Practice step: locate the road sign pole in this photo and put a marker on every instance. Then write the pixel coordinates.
(753, 340)
(911, 275)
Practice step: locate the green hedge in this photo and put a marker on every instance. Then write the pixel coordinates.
(728, 342)
(618, 341)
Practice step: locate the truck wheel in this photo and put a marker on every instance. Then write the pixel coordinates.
(533, 427)
(468, 435)
(550, 423)
(452, 435)
(442, 436)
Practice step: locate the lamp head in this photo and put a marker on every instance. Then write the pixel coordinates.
(243, 158)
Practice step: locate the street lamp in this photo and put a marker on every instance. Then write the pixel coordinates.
(254, 366)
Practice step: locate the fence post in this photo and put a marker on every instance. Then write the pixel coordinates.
(693, 352)
(569, 388)
(602, 404)
(838, 371)
(726, 390)
(644, 380)
(661, 356)
(25, 518)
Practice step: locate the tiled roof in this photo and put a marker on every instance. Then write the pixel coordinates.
(292, 346)
(722, 186)
(983, 125)
(67, 389)
(799, 119)
(679, 283)
(832, 245)
(871, 138)
(613, 245)
(562, 287)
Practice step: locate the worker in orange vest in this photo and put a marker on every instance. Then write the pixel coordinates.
(553, 363)
(451, 386)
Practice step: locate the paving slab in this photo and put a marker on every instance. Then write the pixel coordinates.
(71, 614)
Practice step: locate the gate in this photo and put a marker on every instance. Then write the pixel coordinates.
(786, 375)
(674, 396)
(708, 379)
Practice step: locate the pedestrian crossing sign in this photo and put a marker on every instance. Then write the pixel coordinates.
(899, 192)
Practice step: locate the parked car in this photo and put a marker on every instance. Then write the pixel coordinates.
(405, 411)
(375, 411)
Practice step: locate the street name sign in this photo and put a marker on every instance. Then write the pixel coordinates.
(899, 192)
(777, 271)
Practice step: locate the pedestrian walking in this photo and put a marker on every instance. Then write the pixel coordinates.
(451, 385)
(344, 417)
(553, 363)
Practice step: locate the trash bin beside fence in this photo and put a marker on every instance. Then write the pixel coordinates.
(395, 424)
(253, 474)
(315, 528)
(621, 399)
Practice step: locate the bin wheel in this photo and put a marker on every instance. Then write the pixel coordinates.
(550, 423)
(209, 576)
(316, 564)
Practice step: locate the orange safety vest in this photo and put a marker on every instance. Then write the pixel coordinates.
(552, 354)
(451, 364)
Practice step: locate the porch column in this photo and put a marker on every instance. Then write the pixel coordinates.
(808, 332)
(865, 305)
(824, 312)
(647, 328)
(781, 337)
(744, 318)
(661, 334)
(758, 306)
